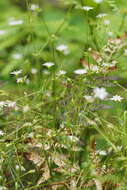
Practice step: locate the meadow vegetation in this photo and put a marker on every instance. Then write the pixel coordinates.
(63, 91)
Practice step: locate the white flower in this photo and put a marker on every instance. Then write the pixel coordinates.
(17, 167)
(101, 15)
(73, 184)
(125, 52)
(33, 7)
(89, 99)
(3, 188)
(34, 71)
(10, 104)
(63, 48)
(15, 22)
(2, 32)
(17, 56)
(94, 68)
(27, 81)
(1, 133)
(98, 1)
(119, 148)
(23, 169)
(46, 72)
(80, 71)
(16, 72)
(26, 109)
(112, 64)
(31, 135)
(110, 33)
(48, 64)
(2, 103)
(19, 80)
(73, 138)
(46, 146)
(116, 98)
(106, 22)
(87, 8)
(101, 152)
(100, 93)
(61, 72)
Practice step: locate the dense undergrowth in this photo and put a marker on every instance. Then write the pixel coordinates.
(63, 75)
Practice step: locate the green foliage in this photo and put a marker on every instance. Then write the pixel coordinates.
(63, 118)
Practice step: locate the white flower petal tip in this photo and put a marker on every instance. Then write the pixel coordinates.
(101, 152)
(34, 7)
(61, 72)
(1, 133)
(19, 80)
(117, 98)
(16, 72)
(106, 22)
(80, 71)
(125, 52)
(15, 22)
(87, 8)
(101, 15)
(34, 71)
(100, 93)
(2, 32)
(48, 64)
(63, 48)
(89, 99)
(73, 138)
(17, 56)
(98, 1)
(26, 109)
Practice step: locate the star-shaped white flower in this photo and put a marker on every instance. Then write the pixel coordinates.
(101, 15)
(16, 72)
(1, 133)
(87, 8)
(100, 93)
(80, 71)
(117, 98)
(48, 64)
